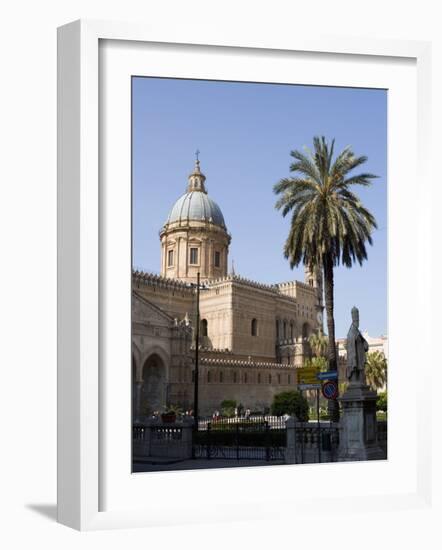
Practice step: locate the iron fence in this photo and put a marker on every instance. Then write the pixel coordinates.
(241, 438)
(315, 444)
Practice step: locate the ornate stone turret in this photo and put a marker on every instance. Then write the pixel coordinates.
(195, 238)
(196, 179)
(314, 278)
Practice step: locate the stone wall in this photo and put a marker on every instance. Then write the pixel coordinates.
(253, 385)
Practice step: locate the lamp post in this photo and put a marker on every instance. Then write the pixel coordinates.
(197, 340)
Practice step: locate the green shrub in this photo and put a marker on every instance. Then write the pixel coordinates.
(382, 402)
(228, 407)
(292, 403)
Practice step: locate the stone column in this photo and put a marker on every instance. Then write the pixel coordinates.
(203, 259)
(177, 258)
(163, 257)
(210, 266)
(137, 398)
(290, 451)
(358, 440)
(187, 437)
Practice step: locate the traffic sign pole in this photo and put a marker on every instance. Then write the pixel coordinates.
(319, 426)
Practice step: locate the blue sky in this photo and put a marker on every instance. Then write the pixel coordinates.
(245, 133)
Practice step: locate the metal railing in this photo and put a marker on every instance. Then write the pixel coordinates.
(241, 438)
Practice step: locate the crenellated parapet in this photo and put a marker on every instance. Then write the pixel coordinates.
(140, 278)
(288, 289)
(242, 363)
(294, 288)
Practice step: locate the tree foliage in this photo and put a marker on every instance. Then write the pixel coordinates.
(319, 363)
(318, 343)
(329, 223)
(376, 370)
(292, 403)
(382, 401)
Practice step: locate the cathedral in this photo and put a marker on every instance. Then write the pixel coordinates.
(252, 336)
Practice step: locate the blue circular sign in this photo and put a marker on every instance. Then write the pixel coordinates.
(330, 390)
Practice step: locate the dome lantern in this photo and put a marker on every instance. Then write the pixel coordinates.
(196, 178)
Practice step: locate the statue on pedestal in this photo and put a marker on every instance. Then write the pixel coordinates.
(357, 347)
(358, 439)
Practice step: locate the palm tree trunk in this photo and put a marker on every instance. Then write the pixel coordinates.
(333, 407)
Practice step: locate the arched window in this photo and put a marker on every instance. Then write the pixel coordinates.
(204, 327)
(193, 256)
(284, 330)
(259, 378)
(170, 258)
(245, 378)
(292, 332)
(279, 379)
(234, 377)
(221, 376)
(270, 378)
(209, 376)
(254, 327)
(277, 328)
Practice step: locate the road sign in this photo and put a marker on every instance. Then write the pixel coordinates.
(330, 390)
(307, 375)
(302, 387)
(329, 375)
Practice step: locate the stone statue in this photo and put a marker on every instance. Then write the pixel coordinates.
(357, 347)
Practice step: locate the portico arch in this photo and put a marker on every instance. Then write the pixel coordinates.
(155, 383)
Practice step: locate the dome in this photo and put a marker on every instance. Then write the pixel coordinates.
(198, 206)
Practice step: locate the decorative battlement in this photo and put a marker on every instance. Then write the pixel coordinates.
(212, 350)
(247, 364)
(241, 280)
(279, 289)
(289, 285)
(151, 279)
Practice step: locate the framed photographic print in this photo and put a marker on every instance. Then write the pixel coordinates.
(234, 221)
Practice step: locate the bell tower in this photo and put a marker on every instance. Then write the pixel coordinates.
(314, 278)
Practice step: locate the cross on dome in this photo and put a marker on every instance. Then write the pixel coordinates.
(196, 178)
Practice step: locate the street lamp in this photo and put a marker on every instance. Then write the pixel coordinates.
(197, 340)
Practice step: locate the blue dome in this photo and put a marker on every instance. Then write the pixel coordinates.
(198, 206)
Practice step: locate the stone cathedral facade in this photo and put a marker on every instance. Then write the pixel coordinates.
(252, 336)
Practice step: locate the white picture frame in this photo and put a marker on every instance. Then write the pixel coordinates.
(82, 448)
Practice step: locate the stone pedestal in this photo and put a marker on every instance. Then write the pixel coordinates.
(358, 440)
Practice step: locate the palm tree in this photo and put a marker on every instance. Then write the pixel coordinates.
(376, 370)
(318, 343)
(329, 223)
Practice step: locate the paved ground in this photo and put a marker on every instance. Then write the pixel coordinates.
(162, 465)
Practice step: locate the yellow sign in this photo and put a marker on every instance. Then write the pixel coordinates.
(307, 375)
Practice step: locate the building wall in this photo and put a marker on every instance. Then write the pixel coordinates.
(216, 310)
(175, 298)
(229, 304)
(234, 364)
(162, 361)
(251, 385)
